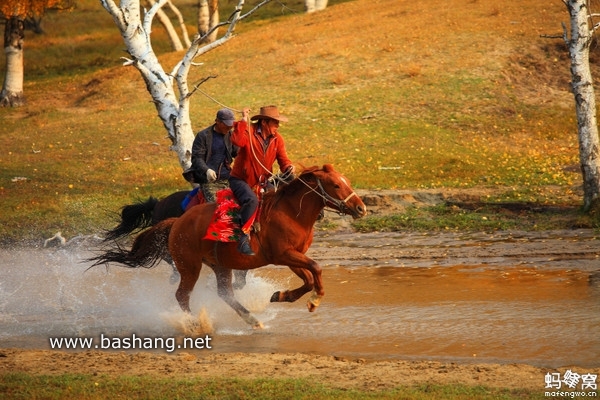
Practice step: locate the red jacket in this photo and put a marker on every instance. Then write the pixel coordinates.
(247, 165)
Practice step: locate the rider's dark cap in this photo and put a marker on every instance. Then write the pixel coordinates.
(226, 116)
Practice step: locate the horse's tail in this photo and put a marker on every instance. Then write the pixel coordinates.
(134, 217)
(148, 248)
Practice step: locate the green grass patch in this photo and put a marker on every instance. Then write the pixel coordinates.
(481, 217)
(88, 387)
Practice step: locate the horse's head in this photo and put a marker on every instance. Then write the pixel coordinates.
(335, 190)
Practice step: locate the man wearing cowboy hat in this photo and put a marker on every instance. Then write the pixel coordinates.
(260, 145)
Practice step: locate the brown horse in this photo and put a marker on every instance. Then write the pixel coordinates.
(287, 221)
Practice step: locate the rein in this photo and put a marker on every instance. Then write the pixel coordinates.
(338, 205)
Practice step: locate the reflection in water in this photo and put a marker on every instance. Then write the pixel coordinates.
(522, 314)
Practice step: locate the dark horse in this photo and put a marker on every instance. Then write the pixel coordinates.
(144, 214)
(287, 219)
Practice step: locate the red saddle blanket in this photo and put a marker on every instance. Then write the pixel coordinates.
(224, 226)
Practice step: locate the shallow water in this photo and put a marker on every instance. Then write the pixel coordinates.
(481, 298)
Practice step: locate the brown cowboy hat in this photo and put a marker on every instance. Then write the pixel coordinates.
(270, 112)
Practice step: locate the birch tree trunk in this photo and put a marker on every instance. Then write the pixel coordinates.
(136, 34)
(315, 5)
(208, 17)
(173, 110)
(585, 100)
(12, 89)
(184, 33)
(177, 44)
(164, 20)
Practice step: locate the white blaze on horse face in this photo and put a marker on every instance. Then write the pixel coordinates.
(345, 182)
(343, 179)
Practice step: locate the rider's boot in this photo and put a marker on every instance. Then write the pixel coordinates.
(244, 246)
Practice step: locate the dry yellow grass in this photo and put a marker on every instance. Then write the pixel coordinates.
(450, 93)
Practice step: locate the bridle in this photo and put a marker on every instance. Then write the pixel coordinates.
(338, 205)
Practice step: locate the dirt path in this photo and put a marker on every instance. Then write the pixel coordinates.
(332, 371)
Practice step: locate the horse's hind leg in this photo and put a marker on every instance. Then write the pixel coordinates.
(240, 278)
(174, 273)
(225, 291)
(188, 279)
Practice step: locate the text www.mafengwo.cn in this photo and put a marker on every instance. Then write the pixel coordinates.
(132, 342)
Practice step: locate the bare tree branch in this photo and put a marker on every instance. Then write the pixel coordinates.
(249, 13)
(197, 85)
(115, 12)
(149, 16)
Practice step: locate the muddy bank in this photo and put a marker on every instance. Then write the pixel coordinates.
(332, 371)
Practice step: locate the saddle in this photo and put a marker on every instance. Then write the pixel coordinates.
(192, 199)
(224, 225)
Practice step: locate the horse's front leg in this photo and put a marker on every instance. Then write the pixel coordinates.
(225, 291)
(292, 295)
(310, 273)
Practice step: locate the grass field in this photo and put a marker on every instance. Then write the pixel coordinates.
(87, 387)
(396, 95)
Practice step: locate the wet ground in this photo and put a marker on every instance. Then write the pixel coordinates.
(529, 298)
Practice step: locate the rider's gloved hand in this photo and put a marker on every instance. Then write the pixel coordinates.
(211, 175)
(246, 114)
(290, 170)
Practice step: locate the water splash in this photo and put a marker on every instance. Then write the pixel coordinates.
(51, 292)
(189, 325)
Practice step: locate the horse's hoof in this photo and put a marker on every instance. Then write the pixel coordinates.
(276, 297)
(258, 325)
(313, 302)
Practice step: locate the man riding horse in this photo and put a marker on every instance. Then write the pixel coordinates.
(212, 155)
(260, 144)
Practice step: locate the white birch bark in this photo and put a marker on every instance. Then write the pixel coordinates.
(203, 17)
(208, 18)
(164, 20)
(136, 34)
(213, 8)
(12, 88)
(184, 33)
(315, 5)
(585, 100)
(173, 110)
